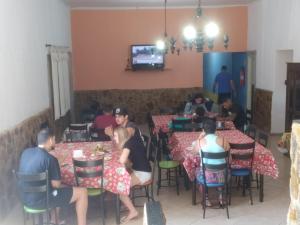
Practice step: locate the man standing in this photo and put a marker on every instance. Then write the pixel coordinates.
(224, 85)
(38, 160)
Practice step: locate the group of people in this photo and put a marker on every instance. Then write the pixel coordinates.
(38, 159)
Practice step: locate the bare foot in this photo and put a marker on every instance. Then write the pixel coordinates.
(129, 217)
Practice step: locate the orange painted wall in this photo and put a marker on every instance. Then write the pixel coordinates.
(101, 40)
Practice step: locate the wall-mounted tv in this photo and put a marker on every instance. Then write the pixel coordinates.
(145, 57)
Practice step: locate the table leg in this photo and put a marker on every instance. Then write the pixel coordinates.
(194, 192)
(261, 188)
(186, 180)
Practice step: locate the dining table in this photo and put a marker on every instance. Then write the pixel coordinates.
(181, 144)
(116, 179)
(161, 122)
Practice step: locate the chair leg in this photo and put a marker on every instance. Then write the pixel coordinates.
(177, 182)
(151, 193)
(204, 194)
(230, 187)
(250, 190)
(102, 208)
(244, 186)
(257, 181)
(118, 220)
(158, 181)
(169, 177)
(147, 193)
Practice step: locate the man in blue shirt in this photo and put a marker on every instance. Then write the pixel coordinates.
(224, 85)
(38, 160)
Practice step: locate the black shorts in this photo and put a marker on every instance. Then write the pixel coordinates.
(60, 197)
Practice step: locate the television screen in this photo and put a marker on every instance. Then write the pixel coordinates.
(146, 57)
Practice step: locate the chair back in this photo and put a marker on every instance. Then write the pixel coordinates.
(246, 155)
(33, 183)
(249, 116)
(88, 169)
(180, 124)
(77, 133)
(215, 167)
(193, 126)
(251, 131)
(78, 126)
(263, 138)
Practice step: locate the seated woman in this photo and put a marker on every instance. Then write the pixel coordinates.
(198, 101)
(135, 152)
(208, 141)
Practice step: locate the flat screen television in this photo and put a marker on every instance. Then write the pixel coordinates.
(146, 57)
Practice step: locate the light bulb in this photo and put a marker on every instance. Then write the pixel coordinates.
(160, 45)
(189, 32)
(211, 30)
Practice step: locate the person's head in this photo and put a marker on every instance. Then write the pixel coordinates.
(209, 126)
(121, 116)
(121, 135)
(46, 139)
(224, 68)
(227, 103)
(107, 109)
(200, 111)
(198, 99)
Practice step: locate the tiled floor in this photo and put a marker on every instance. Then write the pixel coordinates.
(179, 210)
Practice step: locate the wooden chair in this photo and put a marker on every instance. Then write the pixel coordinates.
(245, 173)
(208, 167)
(77, 133)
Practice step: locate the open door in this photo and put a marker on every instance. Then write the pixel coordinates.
(292, 94)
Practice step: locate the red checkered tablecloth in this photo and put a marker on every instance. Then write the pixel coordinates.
(181, 142)
(116, 179)
(161, 122)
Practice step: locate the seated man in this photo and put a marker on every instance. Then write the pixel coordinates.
(37, 160)
(234, 113)
(198, 101)
(103, 121)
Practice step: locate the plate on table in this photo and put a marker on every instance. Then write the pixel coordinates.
(107, 157)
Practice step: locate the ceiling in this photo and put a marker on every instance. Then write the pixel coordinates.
(153, 3)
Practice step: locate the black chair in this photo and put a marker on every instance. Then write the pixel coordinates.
(91, 169)
(170, 166)
(249, 116)
(34, 184)
(213, 168)
(251, 131)
(181, 124)
(77, 133)
(247, 154)
(148, 186)
(263, 138)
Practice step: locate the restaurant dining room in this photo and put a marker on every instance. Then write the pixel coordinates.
(153, 112)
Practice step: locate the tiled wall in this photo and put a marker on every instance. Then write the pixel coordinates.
(262, 109)
(138, 102)
(294, 210)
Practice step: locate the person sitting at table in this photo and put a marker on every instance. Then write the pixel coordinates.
(135, 152)
(38, 160)
(198, 101)
(199, 115)
(103, 121)
(233, 112)
(122, 120)
(208, 141)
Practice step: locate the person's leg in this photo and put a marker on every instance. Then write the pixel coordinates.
(80, 198)
(132, 211)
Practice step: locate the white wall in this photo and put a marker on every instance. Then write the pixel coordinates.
(273, 26)
(26, 26)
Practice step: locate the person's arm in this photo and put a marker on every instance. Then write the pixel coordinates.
(131, 131)
(54, 173)
(188, 108)
(124, 156)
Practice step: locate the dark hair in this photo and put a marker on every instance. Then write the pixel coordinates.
(209, 126)
(44, 135)
(200, 111)
(198, 95)
(106, 108)
(224, 68)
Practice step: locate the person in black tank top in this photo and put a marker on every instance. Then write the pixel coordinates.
(134, 151)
